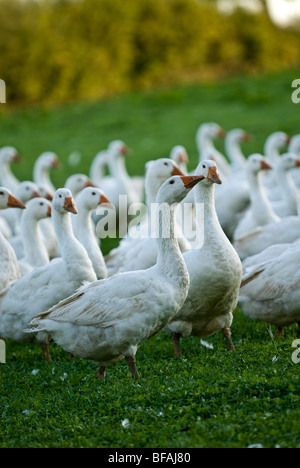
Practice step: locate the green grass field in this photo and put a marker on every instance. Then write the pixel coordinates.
(208, 397)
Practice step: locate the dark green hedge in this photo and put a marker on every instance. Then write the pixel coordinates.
(59, 51)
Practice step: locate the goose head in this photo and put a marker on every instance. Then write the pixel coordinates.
(118, 148)
(208, 169)
(91, 198)
(209, 131)
(38, 208)
(257, 163)
(294, 146)
(288, 161)
(45, 192)
(26, 191)
(237, 135)
(179, 155)
(7, 200)
(9, 154)
(175, 189)
(48, 160)
(77, 182)
(63, 202)
(275, 143)
(157, 172)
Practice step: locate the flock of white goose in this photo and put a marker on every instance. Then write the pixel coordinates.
(56, 285)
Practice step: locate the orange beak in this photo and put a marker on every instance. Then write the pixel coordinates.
(89, 183)
(190, 181)
(221, 133)
(125, 150)
(177, 171)
(247, 137)
(214, 176)
(13, 202)
(70, 205)
(288, 140)
(49, 197)
(183, 158)
(49, 212)
(35, 194)
(266, 166)
(17, 158)
(297, 162)
(55, 164)
(105, 201)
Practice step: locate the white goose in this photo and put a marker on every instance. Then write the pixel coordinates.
(88, 200)
(271, 292)
(274, 144)
(25, 191)
(215, 272)
(288, 206)
(233, 198)
(205, 136)
(286, 231)
(35, 252)
(98, 168)
(46, 286)
(9, 265)
(106, 321)
(180, 157)
(41, 170)
(260, 212)
(8, 155)
(119, 182)
(139, 249)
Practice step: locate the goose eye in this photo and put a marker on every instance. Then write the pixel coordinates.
(59, 196)
(172, 182)
(204, 167)
(94, 193)
(166, 164)
(41, 204)
(1, 193)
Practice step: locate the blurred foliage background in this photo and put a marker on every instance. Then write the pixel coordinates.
(59, 51)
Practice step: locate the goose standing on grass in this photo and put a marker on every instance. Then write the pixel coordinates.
(8, 156)
(41, 170)
(138, 250)
(88, 200)
(260, 212)
(9, 264)
(288, 206)
(271, 291)
(47, 286)
(106, 321)
(205, 137)
(35, 252)
(215, 272)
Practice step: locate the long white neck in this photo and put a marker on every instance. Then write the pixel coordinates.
(289, 190)
(35, 252)
(84, 232)
(205, 144)
(261, 207)
(235, 154)
(7, 177)
(210, 231)
(42, 177)
(170, 260)
(97, 170)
